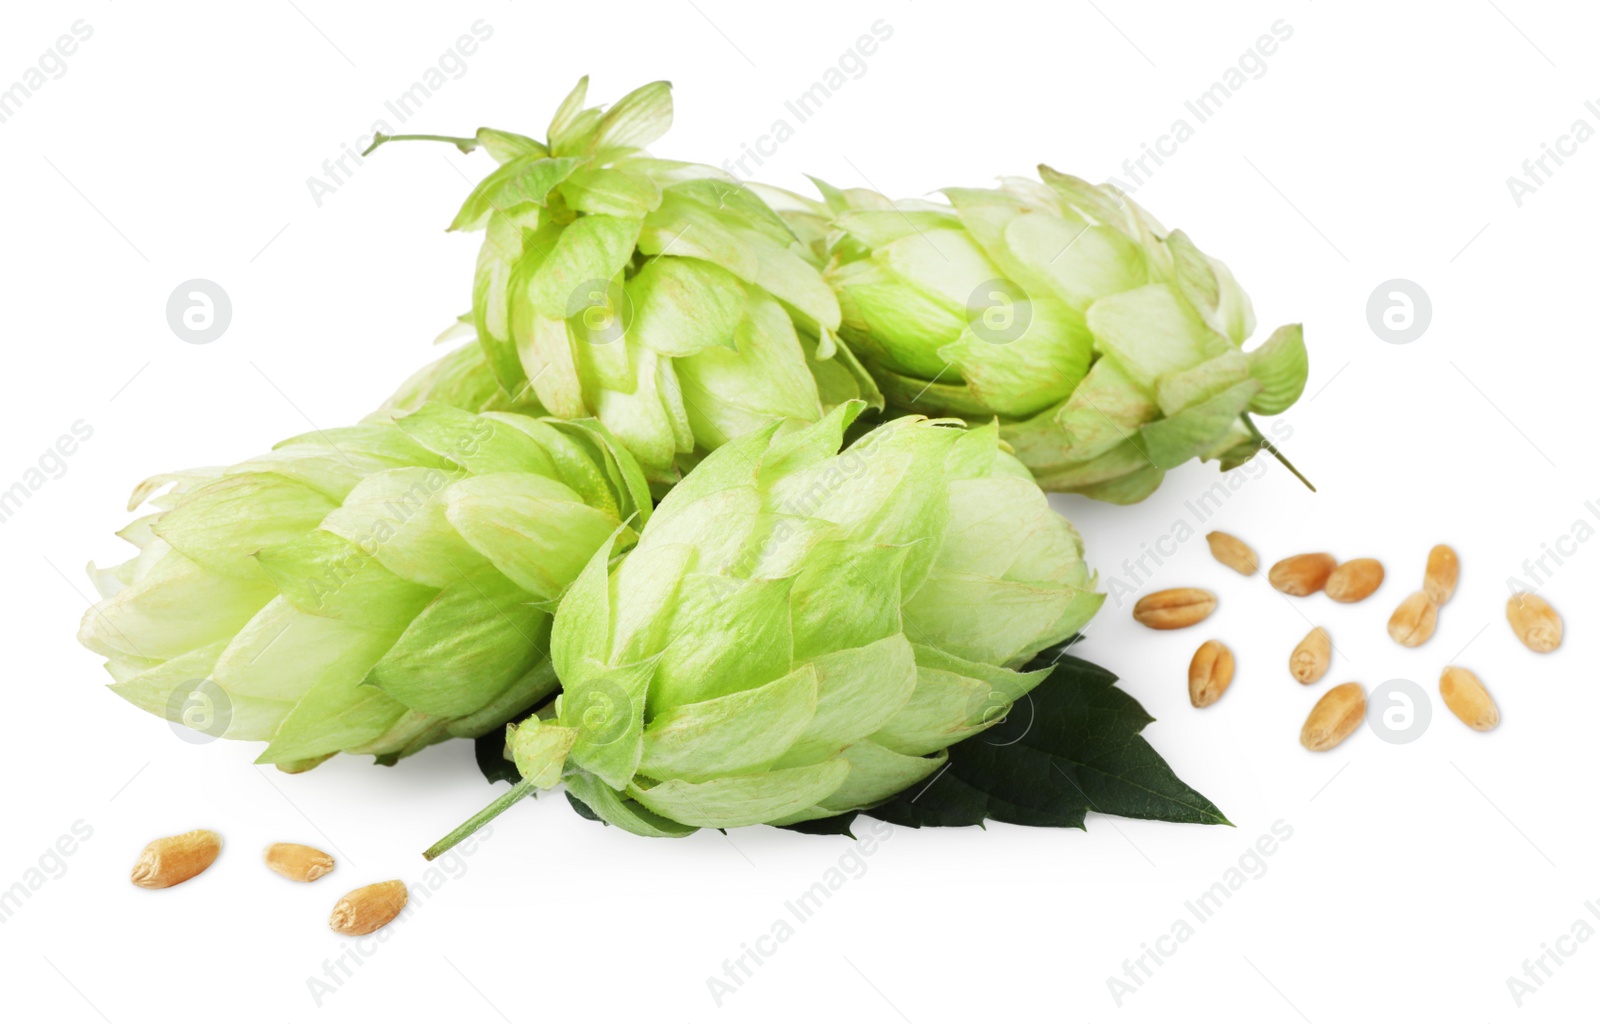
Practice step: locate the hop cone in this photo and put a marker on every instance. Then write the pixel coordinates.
(1108, 347)
(370, 590)
(802, 631)
(660, 297)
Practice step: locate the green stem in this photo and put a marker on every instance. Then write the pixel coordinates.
(482, 818)
(1269, 446)
(465, 145)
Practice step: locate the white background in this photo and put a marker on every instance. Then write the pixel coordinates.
(1377, 145)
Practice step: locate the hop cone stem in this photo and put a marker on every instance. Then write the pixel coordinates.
(1261, 439)
(482, 818)
(465, 145)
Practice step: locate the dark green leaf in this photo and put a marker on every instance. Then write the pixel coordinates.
(583, 809)
(1069, 747)
(490, 749)
(838, 825)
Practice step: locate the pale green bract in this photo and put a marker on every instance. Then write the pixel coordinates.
(371, 589)
(462, 379)
(1109, 348)
(801, 631)
(662, 298)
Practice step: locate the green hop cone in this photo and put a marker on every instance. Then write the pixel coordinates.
(662, 298)
(1109, 348)
(801, 631)
(372, 589)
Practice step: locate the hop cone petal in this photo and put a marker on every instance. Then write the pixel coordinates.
(665, 299)
(1108, 348)
(802, 630)
(370, 590)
